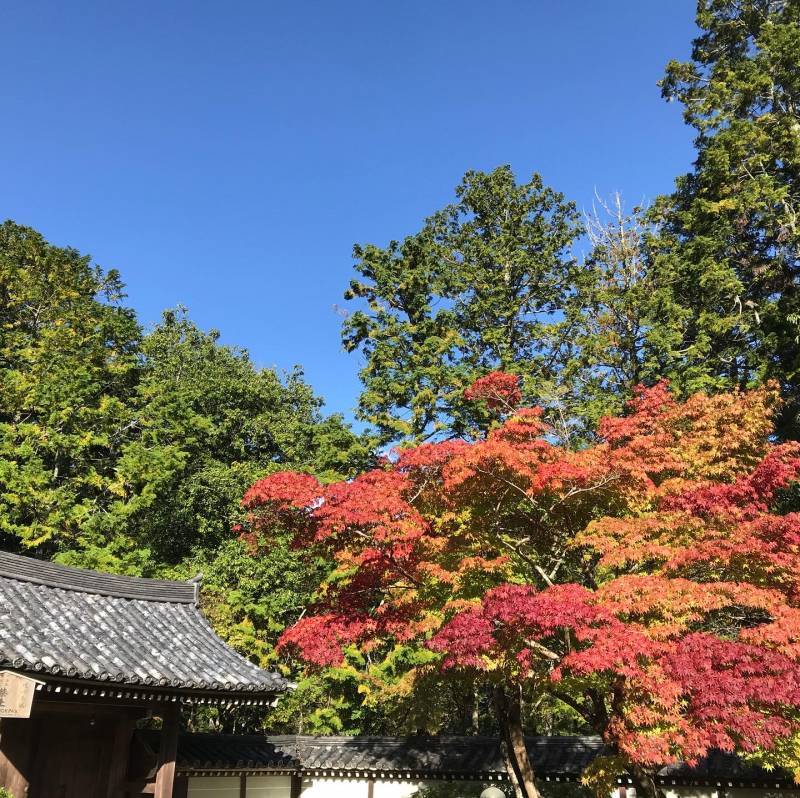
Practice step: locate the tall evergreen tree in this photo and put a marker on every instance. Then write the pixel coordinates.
(69, 360)
(483, 285)
(728, 260)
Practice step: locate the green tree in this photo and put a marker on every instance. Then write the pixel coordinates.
(69, 360)
(130, 453)
(207, 422)
(727, 261)
(482, 286)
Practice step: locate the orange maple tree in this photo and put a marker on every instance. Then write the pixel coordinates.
(650, 581)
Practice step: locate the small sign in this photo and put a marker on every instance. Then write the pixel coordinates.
(16, 695)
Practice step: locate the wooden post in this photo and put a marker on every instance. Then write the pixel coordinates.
(16, 754)
(243, 786)
(297, 786)
(167, 753)
(120, 754)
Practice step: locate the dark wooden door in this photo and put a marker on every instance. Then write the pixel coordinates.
(73, 757)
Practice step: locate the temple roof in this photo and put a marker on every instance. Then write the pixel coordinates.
(464, 756)
(558, 758)
(69, 624)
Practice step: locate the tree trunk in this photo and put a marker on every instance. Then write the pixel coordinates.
(646, 786)
(508, 763)
(475, 711)
(509, 718)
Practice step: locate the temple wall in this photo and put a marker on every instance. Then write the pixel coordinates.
(334, 788)
(685, 792)
(228, 787)
(216, 787)
(396, 789)
(268, 786)
(319, 787)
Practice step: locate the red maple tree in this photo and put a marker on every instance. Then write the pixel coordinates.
(650, 581)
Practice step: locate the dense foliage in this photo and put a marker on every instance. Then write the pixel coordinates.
(69, 356)
(126, 450)
(129, 451)
(478, 288)
(728, 253)
(702, 288)
(543, 557)
(647, 582)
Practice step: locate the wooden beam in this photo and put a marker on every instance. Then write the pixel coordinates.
(47, 706)
(297, 786)
(243, 786)
(167, 753)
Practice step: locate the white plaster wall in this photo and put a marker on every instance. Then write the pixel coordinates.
(410, 789)
(280, 787)
(214, 787)
(687, 792)
(228, 787)
(269, 786)
(395, 789)
(334, 788)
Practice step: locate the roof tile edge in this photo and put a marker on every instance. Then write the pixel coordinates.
(81, 580)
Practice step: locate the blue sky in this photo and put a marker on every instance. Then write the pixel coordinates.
(226, 156)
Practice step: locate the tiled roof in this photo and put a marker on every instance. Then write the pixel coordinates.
(562, 758)
(232, 752)
(447, 754)
(69, 623)
(465, 756)
(720, 765)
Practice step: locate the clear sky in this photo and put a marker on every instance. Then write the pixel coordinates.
(226, 156)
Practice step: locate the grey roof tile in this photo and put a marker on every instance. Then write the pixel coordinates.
(562, 757)
(68, 622)
(452, 755)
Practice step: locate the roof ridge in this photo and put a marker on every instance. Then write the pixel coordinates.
(439, 738)
(82, 580)
(213, 755)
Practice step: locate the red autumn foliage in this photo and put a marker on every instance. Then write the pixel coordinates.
(647, 580)
(321, 637)
(285, 488)
(498, 389)
(715, 692)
